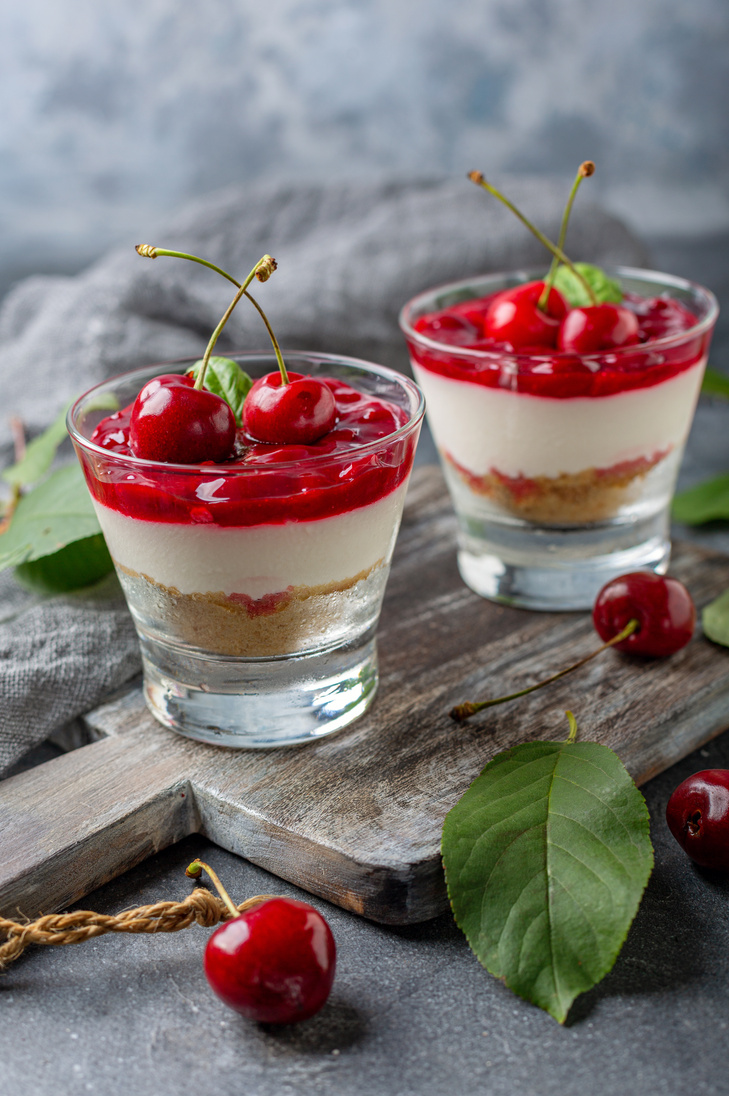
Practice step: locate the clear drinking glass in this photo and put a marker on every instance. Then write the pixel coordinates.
(255, 590)
(561, 467)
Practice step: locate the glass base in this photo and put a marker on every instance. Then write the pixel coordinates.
(257, 703)
(555, 569)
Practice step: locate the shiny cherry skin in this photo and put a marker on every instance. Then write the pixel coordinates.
(698, 817)
(513, 317)
(662, 606)
(597, 327)
(275, 963)
(175, 422)
(298, 413)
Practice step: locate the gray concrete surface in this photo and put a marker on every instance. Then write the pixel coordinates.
(412, 1013)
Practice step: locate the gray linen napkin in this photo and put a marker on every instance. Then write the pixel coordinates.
(349, 254)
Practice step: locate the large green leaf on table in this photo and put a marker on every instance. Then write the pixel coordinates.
(38, 456)
(226, 379)
(715, 620)
(57, 512)
(715, 383)
(604, 287)
(546, 858)
(707, 501)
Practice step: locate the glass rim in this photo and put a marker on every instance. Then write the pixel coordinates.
(526, 274)
(318, 459)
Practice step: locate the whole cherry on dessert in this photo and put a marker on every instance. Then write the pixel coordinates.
(289, 409)
(174, 421)
(662, 606)
(515, 316)
(698, 817)
(641, 612)
(274, 962)
(597, 327)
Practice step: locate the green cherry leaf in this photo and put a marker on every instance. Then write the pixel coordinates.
(38, 456)
(546, 858)
(225, 378)
(79, 564)
(707, 501)
(715, 620)
(57, 512)
(715, 383)
(604, 288)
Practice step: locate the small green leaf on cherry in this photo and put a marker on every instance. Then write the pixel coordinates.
(604, 287)
(715, 620)
(226, 379)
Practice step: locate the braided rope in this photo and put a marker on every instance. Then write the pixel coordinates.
(201, 906)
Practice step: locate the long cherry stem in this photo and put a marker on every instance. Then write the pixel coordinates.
(584, 171)
(195, 870)
(477, 177)
(262, 271)
(464, 711)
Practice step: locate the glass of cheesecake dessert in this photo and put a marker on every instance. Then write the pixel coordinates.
(256, 583)
(561, 460)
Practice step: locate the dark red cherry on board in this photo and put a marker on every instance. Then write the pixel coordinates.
(698, 817)
(297, 413)
(514, 316)
(175, 422)
(275, 963)
(597, 327)
(662, 606)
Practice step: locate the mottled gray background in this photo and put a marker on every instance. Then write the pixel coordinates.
(113, 114)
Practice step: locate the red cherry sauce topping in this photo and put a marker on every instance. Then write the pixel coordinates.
(662, 606)
(298, 413)
(262, 483)
(275, 963)
(581, 367)
(173, 421)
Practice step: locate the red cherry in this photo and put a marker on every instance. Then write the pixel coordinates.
(275, 963)
(597, 327)
(513, 316)
(662, 606)
(175, 422)
(297, 413)
(698, 817)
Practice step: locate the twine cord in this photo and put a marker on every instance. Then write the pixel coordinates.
(201, 907)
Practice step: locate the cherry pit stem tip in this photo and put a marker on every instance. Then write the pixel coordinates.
(464, 711)
(477, 177)
(263, 270)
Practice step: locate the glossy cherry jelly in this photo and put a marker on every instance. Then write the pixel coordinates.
(174, 422)
(297, 413)
(598, 327)
(662, 606)
(698, 817)
(275, 963)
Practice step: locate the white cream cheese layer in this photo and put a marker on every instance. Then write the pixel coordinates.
(255, 560)
(484, 429)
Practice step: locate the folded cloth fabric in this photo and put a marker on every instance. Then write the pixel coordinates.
(349, 254)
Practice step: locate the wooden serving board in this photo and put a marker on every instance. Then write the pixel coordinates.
(356, 818)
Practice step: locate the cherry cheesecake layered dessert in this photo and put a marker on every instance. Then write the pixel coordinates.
(280, 549)
(559, 436)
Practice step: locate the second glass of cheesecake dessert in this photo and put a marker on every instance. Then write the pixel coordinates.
(561, 463)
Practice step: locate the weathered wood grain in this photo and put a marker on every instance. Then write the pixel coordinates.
(356, 818)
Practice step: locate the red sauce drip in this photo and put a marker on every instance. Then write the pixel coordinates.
(270, 496)
(560, 375)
